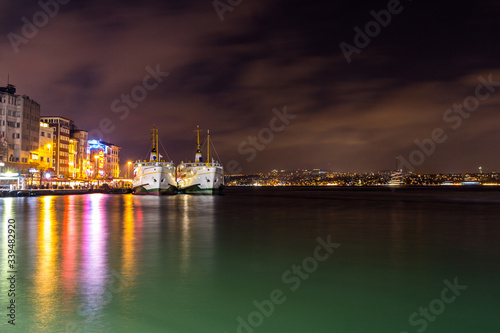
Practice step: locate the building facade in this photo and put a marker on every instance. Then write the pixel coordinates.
(81, 159)
(104, 161)
(29, 141)
(19, 128)
(42, 157)
(61, 150)
(114, 161)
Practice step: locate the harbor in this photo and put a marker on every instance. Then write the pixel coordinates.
(150, 177)
(44, 192)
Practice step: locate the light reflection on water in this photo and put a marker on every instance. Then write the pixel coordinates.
(94, 272)
(130, 233)
(197, 225)
(88, 254)
(185, 239)
(70, 252)
(47, 264)
(131, 242)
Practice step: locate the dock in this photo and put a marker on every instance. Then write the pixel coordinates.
(44, 192)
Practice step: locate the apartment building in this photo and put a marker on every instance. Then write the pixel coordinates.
(19, 128)
(61, 150)
(104, 159)
(78, 140)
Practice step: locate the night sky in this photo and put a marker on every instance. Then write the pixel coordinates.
(229, 76)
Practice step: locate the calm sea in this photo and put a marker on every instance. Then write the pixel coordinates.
(253, 260)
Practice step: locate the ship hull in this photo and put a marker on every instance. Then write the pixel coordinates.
(198, 178)
(141, 190)
(154, 178)
(196, 189)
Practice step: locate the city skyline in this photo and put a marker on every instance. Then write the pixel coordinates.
(419, 83)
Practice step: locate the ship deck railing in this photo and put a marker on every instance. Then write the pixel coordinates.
(147, 163)
(200, 164)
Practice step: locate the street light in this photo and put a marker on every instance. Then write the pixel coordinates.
(129, 163)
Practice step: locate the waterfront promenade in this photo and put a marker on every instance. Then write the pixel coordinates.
(42, 192)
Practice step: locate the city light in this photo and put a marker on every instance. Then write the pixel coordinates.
(96, 144)
(11, 174)
(129, 163)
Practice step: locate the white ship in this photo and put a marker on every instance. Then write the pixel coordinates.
(154, 177)
(397, 179)
(200, 177)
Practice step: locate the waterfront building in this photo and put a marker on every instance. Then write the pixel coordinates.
(113, 163)
(72, 148)
(19, 129)
(104, 161)
(79, 138)
(61, 135)
(41, 158)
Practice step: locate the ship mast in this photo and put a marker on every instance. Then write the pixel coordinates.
(154, 151)
(208, 147)
(198, 157)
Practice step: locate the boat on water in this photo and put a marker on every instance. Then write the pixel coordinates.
(200, 176)
(397, 179)
(156, 176)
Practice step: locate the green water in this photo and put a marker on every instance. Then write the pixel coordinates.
(104, 263)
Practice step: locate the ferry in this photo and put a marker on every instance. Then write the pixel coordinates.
(200, 176)
(156, 176)
(397, 179)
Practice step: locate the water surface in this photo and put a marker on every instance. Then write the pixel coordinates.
(123, 263)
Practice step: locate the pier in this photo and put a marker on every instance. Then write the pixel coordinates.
(43, 192)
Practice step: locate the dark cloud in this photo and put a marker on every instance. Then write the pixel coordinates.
(229, 76)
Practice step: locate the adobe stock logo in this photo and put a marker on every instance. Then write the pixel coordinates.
(292, 278)
(41, 18)
(453, 116)
(128, 102)
(264, 137)
(221, 7)
(436, 307)
(372, 29)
